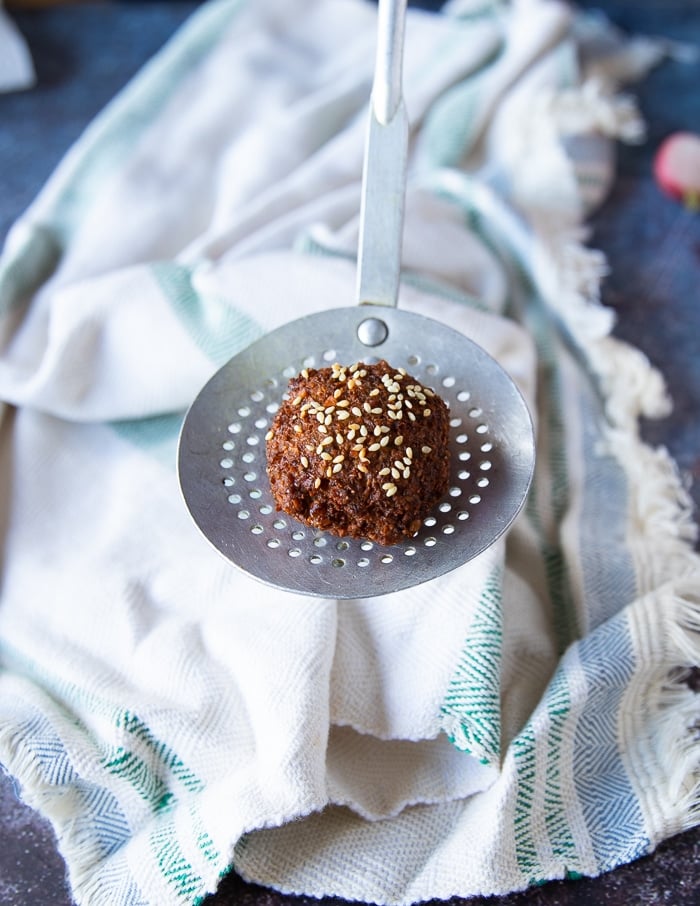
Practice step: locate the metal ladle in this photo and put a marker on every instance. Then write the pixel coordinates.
(221, 455)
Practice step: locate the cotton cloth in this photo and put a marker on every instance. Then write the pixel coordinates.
(16, 66)
(522, 718)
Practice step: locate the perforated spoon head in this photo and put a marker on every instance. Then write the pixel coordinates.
(222, 461)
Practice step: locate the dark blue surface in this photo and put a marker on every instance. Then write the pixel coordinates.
(652, 243)
(85, 54)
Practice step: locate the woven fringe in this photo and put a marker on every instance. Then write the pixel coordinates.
(662, 521)
(677, 731)
(662, 527)
(593, 107)
(631, 387)
(663, 507)
(47, 798)
(673, 733)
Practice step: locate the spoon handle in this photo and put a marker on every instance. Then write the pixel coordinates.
(386, 88)
(384, 173)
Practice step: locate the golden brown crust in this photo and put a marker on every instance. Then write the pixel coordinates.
(359, 451)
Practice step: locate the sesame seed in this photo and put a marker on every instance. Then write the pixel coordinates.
(342, 415)
(384, 441)
(395, 473)
(377, 431)
(426, 412)
(387, 485)
(339, 439)
(269, 435)
(296, 400)
(376, 411)
(384, 429)
(337, 468)
(319, 449)
(406, 472)
(363, 430)
(426, 449)
(297, 428)
(326, 457)
(317, 483)
(339, 458)
(322, 429)
(398, 440)
(337, 393)
(398, 464)
(351, 434)
(411, 416)
(362, 467)
(320, 417)
(383, 472)
(326, 441)
(374, 392)
(343, 404)
(356, 411)
(373, 448)
(367, 407)
(409, 453)
(391, 491)
(305, 374)
(329, 471)
(305, 462)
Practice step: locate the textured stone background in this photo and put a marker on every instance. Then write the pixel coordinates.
(85, 53)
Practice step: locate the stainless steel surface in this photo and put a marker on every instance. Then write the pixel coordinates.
(384, 177)
(222, 462)
(221, 459)
(386, 89)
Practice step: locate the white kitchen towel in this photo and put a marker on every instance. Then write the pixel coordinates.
(16, 66)
(522, 718)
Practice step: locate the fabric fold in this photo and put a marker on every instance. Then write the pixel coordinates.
(501, 726)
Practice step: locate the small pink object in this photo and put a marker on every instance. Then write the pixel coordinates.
(677, 168)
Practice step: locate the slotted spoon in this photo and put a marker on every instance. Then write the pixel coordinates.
(221, 456)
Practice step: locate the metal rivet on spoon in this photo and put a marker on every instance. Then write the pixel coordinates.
(372, 332)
